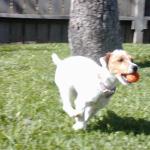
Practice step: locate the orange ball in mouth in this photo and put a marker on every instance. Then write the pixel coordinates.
(133, 77)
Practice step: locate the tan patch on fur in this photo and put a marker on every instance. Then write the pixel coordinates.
(119, 62)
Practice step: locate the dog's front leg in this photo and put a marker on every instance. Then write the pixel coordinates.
(85, 112)
(79, 118)
(80, 105)
(82, 119)
(79, 122)
(89, 112)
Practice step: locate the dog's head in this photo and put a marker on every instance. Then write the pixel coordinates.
(119, 63)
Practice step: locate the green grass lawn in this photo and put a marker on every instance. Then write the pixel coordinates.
(31, 117)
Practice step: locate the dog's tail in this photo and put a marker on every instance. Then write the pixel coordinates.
(56, 60)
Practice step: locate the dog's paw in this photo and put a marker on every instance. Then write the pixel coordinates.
(79, 126)
(75, 113)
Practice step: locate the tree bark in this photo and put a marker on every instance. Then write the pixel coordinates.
(94, 28)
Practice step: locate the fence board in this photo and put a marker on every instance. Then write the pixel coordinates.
(66, 7)
(43, 32)
(65, 32)
(126, 32)
(125, 7)
(147, 8)
(147, 34)
(4, 6)
(30, 7)
(43, 6)
(55, 32)
(18, 6)
(56, 7)
(30, 31)
(4, 32)
(16, 30)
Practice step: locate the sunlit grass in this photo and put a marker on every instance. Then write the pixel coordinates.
(31, 117)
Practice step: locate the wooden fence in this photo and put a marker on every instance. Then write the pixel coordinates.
(39, 9)
(47, 20)
(33, 20)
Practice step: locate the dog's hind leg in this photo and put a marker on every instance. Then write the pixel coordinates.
(67, 104)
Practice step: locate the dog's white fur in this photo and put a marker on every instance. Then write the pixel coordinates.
(90, 84)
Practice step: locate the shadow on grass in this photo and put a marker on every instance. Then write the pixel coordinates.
(113, 123)
(144, 64)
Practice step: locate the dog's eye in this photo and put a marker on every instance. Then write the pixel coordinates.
(120, 60)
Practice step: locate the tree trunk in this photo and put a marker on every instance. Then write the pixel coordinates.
(94, 28)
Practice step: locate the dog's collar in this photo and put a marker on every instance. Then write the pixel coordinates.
(107, 91)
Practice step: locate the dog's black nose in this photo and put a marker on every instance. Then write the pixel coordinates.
(135, 68)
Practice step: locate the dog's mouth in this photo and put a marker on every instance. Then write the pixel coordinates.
(128, 78)
(122, 78)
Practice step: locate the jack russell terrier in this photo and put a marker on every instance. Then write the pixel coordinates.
(85, 86)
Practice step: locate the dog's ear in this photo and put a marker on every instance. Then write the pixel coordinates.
(104, 60)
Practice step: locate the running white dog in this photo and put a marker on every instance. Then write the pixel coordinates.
(90, 84)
